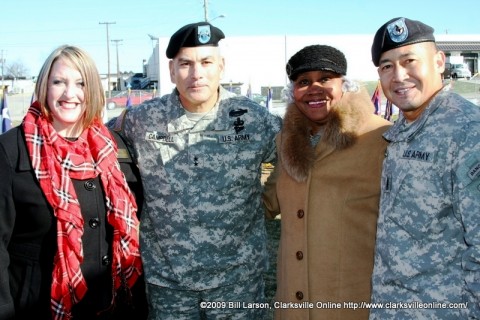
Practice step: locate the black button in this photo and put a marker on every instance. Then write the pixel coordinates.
(300, 213)
(94, 223)
(299, 255)
(105, 260)
(90, 185)
(299, 295)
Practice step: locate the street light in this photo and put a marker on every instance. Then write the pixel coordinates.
(205, 12)
(220, 16)
(153, 38)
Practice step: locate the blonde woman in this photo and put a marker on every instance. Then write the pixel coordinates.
(68, 224)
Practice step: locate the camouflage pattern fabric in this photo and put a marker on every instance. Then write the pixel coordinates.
(238, 301)
(428, 234)
(203, 222)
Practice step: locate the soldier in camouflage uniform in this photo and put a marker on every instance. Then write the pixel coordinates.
(200, 150)
(427, 261)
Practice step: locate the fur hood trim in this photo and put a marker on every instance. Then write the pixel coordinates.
(338, 132)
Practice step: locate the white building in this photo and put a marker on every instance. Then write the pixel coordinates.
(260, 61)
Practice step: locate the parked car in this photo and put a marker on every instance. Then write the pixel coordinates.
(120, 99)
(136, 80)
(460, 70)
(258, 98)
(456, 70)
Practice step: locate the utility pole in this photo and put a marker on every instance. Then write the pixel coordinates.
(2, 60)
(205, 9)
(108, 58)
(118, 63)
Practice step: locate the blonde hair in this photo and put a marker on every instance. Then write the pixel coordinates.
(93, 90)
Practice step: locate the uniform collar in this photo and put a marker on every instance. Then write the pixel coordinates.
(403, 131)
(216, 119)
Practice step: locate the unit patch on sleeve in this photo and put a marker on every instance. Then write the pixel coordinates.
(474, 171)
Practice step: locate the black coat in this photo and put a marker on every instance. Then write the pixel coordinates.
(28, 239)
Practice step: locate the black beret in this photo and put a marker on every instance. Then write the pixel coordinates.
(316, 58)
(399, 32)
(194, 35)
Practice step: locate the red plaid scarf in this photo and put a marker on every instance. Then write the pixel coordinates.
(56, 161)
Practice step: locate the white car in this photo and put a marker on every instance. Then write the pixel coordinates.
(460, 70)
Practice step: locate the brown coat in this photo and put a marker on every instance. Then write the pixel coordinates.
(328, 197)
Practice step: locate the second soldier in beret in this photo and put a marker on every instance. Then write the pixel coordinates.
(428, 237)
(200, 151)
(330, 156)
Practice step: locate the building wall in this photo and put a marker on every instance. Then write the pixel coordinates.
(260, 61)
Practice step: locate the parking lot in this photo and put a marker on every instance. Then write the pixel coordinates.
(18, 103)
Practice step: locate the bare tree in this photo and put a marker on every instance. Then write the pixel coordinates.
(16, 69)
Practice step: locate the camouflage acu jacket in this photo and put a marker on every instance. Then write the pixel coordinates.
(203, 222)
(427, 261)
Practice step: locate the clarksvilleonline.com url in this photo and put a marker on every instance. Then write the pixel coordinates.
(332, 305)
(419, 305)
(406, 305)
(369, 305)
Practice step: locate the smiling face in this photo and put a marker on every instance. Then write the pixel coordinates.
(316, 93)
(411, 76)
(196, 72)
(65, 98)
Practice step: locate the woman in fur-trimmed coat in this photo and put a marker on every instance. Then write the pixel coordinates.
(328, 185)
